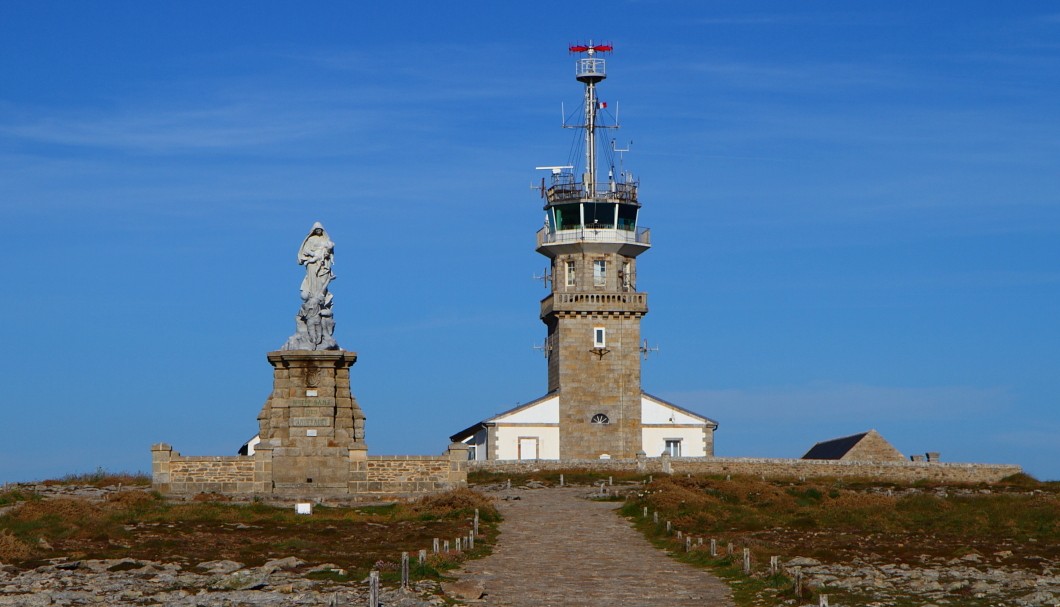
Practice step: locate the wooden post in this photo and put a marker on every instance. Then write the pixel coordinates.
(476, 521)
(774, 565)
(405, 570)
(713, 547)
(747, 561)
(669, 526)
(798, 581)
(729, 553)
(561, 480)
(645, 512)
(509, 483)
(688, 544)
(655, 517)
(823, 600)
(610, 481)
(437, 545)
(457, 543)
(423, 557)
(678, 534)
(699, 541)
(471, 541)
(445, 546)
(373, 589)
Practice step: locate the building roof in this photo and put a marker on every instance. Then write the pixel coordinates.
(467, 433)
(476, 428)
(835, 448)
(472, 430)
(661, 401)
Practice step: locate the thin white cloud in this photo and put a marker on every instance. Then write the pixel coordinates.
(830, 402)
(1042, 437)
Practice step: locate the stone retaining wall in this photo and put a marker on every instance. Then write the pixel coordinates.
(407, 475)
(370, 477)
(178, 474)
(771, 468)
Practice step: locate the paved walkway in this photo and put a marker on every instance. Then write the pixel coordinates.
(558, 549)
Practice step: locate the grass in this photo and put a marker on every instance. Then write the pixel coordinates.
(142, 525)
(837, 521)
(103, 478)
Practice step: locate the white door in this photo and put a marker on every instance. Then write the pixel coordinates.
(527, 447)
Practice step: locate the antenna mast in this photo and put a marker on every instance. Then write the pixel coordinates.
(590, 70)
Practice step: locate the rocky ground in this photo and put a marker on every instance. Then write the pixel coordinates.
(121, 582)
(970, 580)
(184, 581)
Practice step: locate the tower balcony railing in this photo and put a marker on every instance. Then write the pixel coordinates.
(640, 236)
(576, 301)
(562, 191)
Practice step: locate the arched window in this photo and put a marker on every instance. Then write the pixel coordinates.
(600, 418)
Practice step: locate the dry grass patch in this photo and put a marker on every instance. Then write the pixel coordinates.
(839, 521)
(12, 549)
(143, 526)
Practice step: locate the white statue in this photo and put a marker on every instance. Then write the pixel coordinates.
(315, 321)
(316, 254)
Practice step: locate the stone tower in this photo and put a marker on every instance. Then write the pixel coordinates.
(592, 238)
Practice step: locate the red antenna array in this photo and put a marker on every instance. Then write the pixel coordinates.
(585, 48)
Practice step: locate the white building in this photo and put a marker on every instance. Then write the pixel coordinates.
(531, 431)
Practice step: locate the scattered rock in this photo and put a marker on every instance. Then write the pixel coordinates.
(289, 562)
(464, 590)
(244, 579)
(802, 561)
(222, 567)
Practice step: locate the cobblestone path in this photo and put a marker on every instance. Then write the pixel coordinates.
(557, 548)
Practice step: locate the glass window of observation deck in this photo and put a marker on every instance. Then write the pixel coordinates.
(568, 216)
(627, 217)
(599, 215)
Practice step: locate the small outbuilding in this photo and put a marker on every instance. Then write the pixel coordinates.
(866, 447)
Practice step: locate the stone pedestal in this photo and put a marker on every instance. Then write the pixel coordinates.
(311, 427)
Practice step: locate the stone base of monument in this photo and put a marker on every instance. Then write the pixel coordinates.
(312, 445)
(311, 427)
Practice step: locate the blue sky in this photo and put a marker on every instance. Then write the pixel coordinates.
(854, 213)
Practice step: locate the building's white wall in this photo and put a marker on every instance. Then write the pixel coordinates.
(508, 441)
(652, 412)
(654, 438)
(544, 412)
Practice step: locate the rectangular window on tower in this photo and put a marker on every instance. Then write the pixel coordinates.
(599, 273)
(599, 337)
(570, 273)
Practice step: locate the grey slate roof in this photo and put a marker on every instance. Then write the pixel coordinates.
(835, 448)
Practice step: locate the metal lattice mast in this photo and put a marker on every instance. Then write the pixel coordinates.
(590, 70)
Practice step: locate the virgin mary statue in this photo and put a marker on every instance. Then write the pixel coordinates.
(316, 255)
(315, 323)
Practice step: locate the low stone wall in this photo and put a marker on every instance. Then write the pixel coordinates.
(178, 474)
(771, 468)
(390, 476)
(370, 477)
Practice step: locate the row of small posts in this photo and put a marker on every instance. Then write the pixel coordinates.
(774, 561)
(459, 544)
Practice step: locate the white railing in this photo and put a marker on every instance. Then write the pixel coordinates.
(600, 298)
(638, 236)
